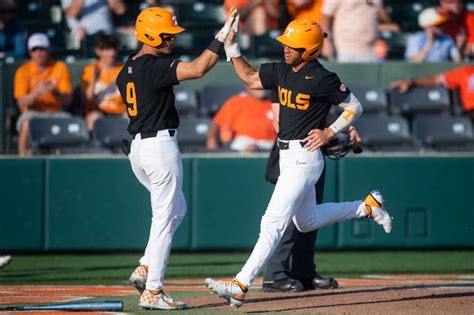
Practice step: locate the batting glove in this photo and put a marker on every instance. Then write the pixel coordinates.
(222, 35)
(232, 49)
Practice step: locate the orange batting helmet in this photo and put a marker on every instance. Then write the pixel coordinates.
(154, 21)
(304, 34)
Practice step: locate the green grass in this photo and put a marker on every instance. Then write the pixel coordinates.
(114, 269)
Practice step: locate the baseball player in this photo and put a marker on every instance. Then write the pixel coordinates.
(146, 85)
(302, 275)
(306, 91)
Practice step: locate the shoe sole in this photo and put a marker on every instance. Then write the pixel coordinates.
(233, 302)
(327, 287)
(156, 307)
(278, 290)
(138, 284)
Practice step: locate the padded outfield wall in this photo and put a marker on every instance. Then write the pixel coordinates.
(61, 204)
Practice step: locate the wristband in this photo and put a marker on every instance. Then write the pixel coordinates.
(216, 46)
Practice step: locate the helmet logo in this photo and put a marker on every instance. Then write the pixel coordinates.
(175, 20)
(289, 30)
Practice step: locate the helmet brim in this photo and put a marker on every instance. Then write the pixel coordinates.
(172, 30)
(285, 40)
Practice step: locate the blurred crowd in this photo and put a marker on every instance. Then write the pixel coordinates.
(359, 30)
(49, 34)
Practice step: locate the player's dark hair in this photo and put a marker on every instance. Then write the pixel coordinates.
(107, 41)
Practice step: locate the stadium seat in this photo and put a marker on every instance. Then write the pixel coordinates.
(373, 99)
(192, 43)
(200, 16)
(266, 46)
(385, 133)
(36, 12)
(55, 134)
(213, 96)
(422, 100)
(128, 42)
(444, 133)
(405, 13)
(183, 43)
(396, 44)
(186, 100)
(192, 134)
(109, 131)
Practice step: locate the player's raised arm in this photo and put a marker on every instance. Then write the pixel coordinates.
(202, 64)
(248, 74)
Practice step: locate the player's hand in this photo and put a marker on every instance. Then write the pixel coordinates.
(222, 34)
(231, 45)
(212, 144)
(45, 87)
(354, 136)
(402, 85)
(317, 138)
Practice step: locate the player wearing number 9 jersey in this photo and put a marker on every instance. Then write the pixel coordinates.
(306, 91)
(146, 85)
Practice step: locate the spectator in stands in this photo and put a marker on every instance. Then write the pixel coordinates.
(245, 122)
(460, 25)
(300, 9)
(353, 26)
(12, 31)
(431, 44)
(460, 78)
(98, 82)
(42, 88)
(87, 18)
(257, 16)
(125, 23)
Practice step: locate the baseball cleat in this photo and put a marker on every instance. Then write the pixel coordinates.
(138, 278)
(159, 300)
(374, 209)
(5, 260)
(231, 290)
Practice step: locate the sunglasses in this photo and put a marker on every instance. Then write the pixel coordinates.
(167, 38)
(38, 49)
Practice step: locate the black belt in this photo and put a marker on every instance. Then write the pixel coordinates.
(152, 134)
(285, 145)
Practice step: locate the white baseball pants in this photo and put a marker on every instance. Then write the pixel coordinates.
(157, 164)
(294, 198)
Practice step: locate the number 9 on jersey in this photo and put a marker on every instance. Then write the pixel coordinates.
(131, 100)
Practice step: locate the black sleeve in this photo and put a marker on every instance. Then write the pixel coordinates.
(268, 74)
(274, 96)
(164, 72)
(332, 90)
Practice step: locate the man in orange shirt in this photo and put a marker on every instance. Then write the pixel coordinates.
(460, 25)
(42, 88)
(461, 78)
(309, 9)
(245, 121)
(257, 16)
(98, 87)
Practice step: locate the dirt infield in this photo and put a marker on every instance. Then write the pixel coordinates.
(417, 299)
(388, 294)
